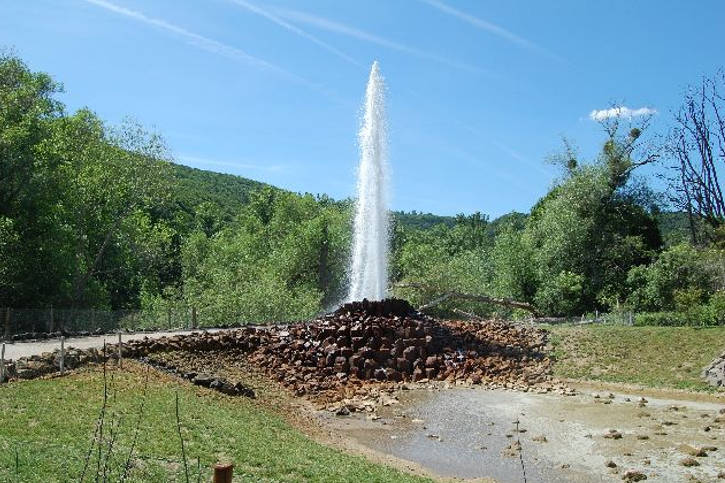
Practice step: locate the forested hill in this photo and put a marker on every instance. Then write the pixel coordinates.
(195, 186)
(229, 193)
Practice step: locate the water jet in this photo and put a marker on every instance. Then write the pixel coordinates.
(369, 261)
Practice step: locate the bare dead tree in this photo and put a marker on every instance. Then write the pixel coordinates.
(506, 302)
(697, 147)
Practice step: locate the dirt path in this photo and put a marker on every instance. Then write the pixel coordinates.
(468, 433)
(29, 348)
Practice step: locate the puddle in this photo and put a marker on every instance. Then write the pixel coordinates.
(464, 433)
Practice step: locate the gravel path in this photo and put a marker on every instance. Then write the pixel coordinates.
(29, 348)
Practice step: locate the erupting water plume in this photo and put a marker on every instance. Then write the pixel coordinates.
(369, 267)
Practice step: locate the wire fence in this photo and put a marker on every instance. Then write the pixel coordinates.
(626, 318)
(19, 323)
(23, 323)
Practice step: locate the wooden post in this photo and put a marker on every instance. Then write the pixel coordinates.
(62, 355)
(7, 323)
(2, 363)
(168, 314)
(223, 472)
(120, 353)
(51, 322)
(193, 317)
(630, 317)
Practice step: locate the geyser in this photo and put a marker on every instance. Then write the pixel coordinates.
(369, 264)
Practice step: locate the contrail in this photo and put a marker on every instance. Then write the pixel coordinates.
(282, 23)
(336, 27)
(490, 27)
(206, 43)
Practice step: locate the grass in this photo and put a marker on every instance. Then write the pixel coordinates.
(663, 357)
(50, 424)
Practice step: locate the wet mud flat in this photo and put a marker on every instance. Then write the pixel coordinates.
(591, 436)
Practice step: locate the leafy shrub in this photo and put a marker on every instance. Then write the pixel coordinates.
(704, 315)
(562, 294)
(661, 319)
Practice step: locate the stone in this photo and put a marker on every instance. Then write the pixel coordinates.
(714, 373)
(633, 475)
(689, 462)
(203, 380)
(692, 451)
(512, 450)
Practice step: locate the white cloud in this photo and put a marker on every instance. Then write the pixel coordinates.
(490, 27)
(623, 111)
(198, 160)
(339, 28)
(292, 28)
(200, 41)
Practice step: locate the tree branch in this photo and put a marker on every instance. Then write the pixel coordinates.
(506, 302)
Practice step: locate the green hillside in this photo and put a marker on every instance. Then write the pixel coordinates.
(193, 187)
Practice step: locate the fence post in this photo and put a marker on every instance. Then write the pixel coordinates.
(630, 317)
(62, 355)
(223, 472)
(2, 363)
(168, 313)
(193, 317)
(51, 322)
(120, 353)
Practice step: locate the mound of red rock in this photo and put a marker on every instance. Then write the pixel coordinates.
(360, 341)
(390, 341)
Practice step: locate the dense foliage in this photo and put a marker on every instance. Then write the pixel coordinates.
(93, 216)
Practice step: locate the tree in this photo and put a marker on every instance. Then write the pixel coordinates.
(107, 176)
(697, 145)
(587, 232)
(31, 239)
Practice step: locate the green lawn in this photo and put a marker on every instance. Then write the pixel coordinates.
(666, 357)
(49, 424)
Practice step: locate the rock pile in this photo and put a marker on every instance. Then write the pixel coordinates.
(389, 341)
(360, 342)
(714, 373)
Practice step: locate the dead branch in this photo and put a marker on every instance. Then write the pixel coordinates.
(506, 302)
(470, 315)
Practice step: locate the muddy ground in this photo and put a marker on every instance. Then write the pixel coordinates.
(471, 433)
(451, 432)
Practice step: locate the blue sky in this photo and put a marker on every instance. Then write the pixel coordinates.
(480, 92)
